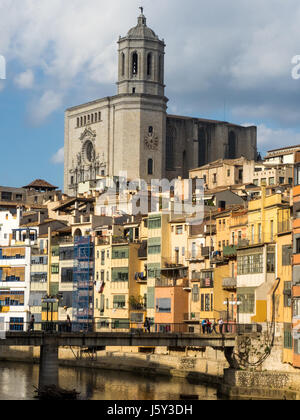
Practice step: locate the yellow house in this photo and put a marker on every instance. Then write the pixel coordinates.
(257, 265)
(283, 294)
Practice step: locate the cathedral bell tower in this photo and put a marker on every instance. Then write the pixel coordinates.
(141, 61)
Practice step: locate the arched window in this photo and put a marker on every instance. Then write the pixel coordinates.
(160, 68)
(123, 64)
(170, 146)
(150, 167)
(202, 147)
(149, 64)
(232, 145)
(135, 63)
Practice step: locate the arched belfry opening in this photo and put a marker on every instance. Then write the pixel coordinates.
(123, 64)
(135, 63)
(149, 64)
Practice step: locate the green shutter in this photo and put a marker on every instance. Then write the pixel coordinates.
(150, 298)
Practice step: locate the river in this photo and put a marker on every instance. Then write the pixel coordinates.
(17, 382)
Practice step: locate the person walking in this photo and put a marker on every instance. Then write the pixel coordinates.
(147, 325)
(221, 325)
(214, 327)
(208, 326)
(31, 324)
(204, 326)
(69, 324)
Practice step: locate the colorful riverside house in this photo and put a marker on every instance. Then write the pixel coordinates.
(257, 257)
(296, 263)
(120, 284)
(15, 263)
(283, 295)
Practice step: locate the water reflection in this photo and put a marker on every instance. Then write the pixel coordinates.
(17, 381)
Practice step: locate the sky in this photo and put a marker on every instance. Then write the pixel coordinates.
(228, 60)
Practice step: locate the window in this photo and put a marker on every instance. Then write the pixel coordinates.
(288, 340)
(163, 305)
(54, 269)
(179, 230)
(232, 145)
(214, 178)
(228, 172)
(6, 196)
(195, 293)
(150, 167)
(149, 64)
(255, 182)
(298, 246)
(135, 63)
(123, 64)
(287, 252)
(119, 302)
(250, 264)
(247, 303)
(287, 294)
(281, 180)
(154, 249)
(154, 223)
(67, 275)
(272, 181)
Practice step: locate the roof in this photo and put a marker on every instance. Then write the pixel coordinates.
(40, 183)
(220, 162)
(68, 203)
(141, 30)
(297, 146)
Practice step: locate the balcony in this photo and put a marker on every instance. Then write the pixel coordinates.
(143, 251)
(229, 283)
(206, 283)
(119, 240)
(171, 282)
(191, 317)
(194, 256)
(196, 276)
(140, 278)
(229, 251)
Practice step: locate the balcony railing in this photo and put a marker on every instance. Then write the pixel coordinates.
(193, 316)
(229, 283)
(140, 278)
(206, 283)
(229, 251)
(196, 276)
(165, 282)
(194, 255)
(143, 250)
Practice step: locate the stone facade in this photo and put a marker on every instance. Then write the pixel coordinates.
(132, 132)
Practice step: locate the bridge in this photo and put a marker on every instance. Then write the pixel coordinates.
(50, 341)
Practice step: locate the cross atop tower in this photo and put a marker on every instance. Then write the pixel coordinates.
(142, 10)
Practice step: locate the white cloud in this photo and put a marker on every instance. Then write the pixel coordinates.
(271, 138)
(238, 50)
(45, 105)
(58, 157)
(25, 80)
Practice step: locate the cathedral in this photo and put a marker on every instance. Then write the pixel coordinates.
(132, 132)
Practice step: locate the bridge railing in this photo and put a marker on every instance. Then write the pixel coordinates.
(100, 325)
